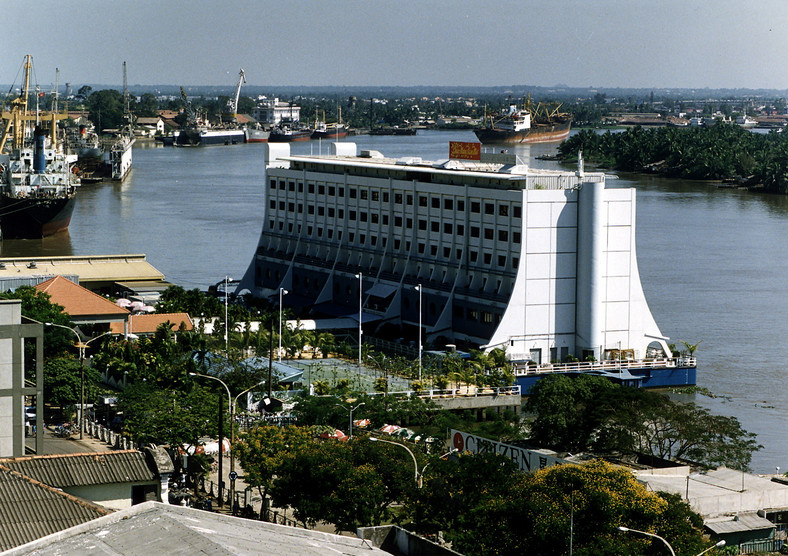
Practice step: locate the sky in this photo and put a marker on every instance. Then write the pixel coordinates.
(579, 43)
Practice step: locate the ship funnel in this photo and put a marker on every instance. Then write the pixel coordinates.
(39, 155)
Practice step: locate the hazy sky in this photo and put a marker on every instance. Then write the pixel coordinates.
(598, 43)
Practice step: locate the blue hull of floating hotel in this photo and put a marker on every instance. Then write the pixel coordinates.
(637, 377)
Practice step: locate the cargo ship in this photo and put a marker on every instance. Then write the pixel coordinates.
(38, 184)
(326, 131)
(286, 134)
(525, 125)
(256, 134)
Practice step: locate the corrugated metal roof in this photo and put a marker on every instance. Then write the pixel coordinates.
(30, 510)
(740, 523)
(69, 470)
(107, 268)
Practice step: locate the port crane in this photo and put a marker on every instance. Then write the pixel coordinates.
(232, 104)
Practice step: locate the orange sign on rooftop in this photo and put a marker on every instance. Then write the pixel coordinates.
(465, 151)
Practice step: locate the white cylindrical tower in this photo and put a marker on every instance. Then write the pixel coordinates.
(589, 308)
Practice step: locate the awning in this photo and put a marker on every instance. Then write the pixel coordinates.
(381, 290)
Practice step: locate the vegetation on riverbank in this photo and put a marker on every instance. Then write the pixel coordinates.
(720, 152)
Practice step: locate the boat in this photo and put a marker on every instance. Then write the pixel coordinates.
(746, 122)
(286, 134)
(38, 185)
(256, 134)
(329, 131)
(198, 131)
(392, 130)
(525, 124)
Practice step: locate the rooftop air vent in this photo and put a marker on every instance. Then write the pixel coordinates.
(31, 264)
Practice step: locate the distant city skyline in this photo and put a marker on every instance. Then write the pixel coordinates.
(577, 43)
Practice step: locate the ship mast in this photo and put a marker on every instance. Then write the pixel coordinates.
(18, 112)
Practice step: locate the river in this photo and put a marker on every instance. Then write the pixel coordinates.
(711, 261)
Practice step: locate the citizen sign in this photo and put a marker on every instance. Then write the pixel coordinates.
(526, 460)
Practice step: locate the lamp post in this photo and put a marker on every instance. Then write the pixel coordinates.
(360, 277)
(352, 409)
(625, 529)
(416, 475)
(282, 292)
(419, 289)
(226, 320)
(719, 544)
(81, 346)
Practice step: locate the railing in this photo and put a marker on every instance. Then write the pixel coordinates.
(524, 369)
(759, 546)
(464, 392)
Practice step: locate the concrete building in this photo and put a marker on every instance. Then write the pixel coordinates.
(21, 385)
(272, 112)
(479, 252)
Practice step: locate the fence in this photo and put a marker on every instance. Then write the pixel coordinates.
(763, 545)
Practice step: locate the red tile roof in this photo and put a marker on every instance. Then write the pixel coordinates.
(147, 324)
(78, 301)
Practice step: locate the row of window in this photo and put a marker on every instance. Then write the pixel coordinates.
(402, 198)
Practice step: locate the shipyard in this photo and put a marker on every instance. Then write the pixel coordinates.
(326, 279)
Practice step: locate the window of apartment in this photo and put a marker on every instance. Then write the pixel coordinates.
(340, 213)
(502, 260)
(474, 256)
(339, 235)
(373, 240)
(503, 210)
(385, 196)
(396, 244)
(489, 233)
(341, 191)
(473, 314)
(518, 211)
(309, 230)
(460, 229)
(398, 221)
(321, 189)
(364, 216)
(282, 185)
(310, 209)
(436, 202)
(446, 252)
(321, 211)
(320, 232)
(281, 226)
(352, 215)
(311, 187)
(489, 208)
(383, 241)
(300, 187)
(422, 224)
(281, 205)
(330, 232)
(332, 190)
(273, 184)
(487, 317)
(374, 217)
(271, 225)
(362, 238)
(291, 207)
(421, 248)
(476, 206)
(291, 186)
(459, 254)
(475, 231)
(330, 212)
(503, 235)
(461, 205)
(448, 204)
(300, 208)
(374, 195)
(516, 237)
(407, 246)
(435, 226)
(385, 219)
(272, 204)
(410, 199)
(487, 258)
(447, 227)
(353, 193)
(351, 236)
(364, 194)
(515, 262)
(422, 200)
(398, 198)
(433, 250)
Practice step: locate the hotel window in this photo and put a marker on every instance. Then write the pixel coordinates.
(375, 196)
(332, 190)
(475, 231)
(310, 209)
(282, 185)
(410, 199)
(503, 210)
(421, 248)
(351, 236)
(398, 198)
(300, 187)
(311, 187)
(373, 240)
(330, 233)
(422, 224)
(448, 204)
(409, 223)
(352, 215)
(281, 205)
(281, 226)
(473, 314)
(487, 258)
(487, 317)
(340, 213)
(503, 235)
(489, 233)
(459, 254)
(339, 235)
(273, 204)
(331, 212)
(518, 211)
(476, 206)
(446, 228)
(433, 250)
(309, 230)
(436, 202)
(446, 252)
(321, 211)
(385, 219)
(341, 191)
(489, 208)
(460, 229)
(320, 232)
(273, 184)
(374, 217)
(460, 205)
(291, 186)
(321, 189)
(398, 221)
(474, 256)
(353, 193)
(362, 238)
(300, 208)
(422, 200)
(291, 207)
(435, 226)
(516, 237)
(385, 196)
(364, 194)
(407, 246)
(501, 260)
(396, 243)
(383, 241)
(515, 262)
(290, 227)
(271, 225)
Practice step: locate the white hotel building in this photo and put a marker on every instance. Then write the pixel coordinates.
(541, 263)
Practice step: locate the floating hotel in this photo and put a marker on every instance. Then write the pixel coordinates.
(540, 263)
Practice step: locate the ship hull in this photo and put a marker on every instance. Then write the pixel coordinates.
(329, 134)
(31, 218)
(290, 137)
(539, 133)
(257, 136)
(193, 137)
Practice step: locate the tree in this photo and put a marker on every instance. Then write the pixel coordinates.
(147, 105)
(37, 305)
(62, 385)
(106, 109)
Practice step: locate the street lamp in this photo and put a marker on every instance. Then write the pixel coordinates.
(360, 277)
(719, 544)
(419, 289)
(282, 292)
(352, 409)
(81, 346)
(416, 476)
(625, 529)
(226, 330)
